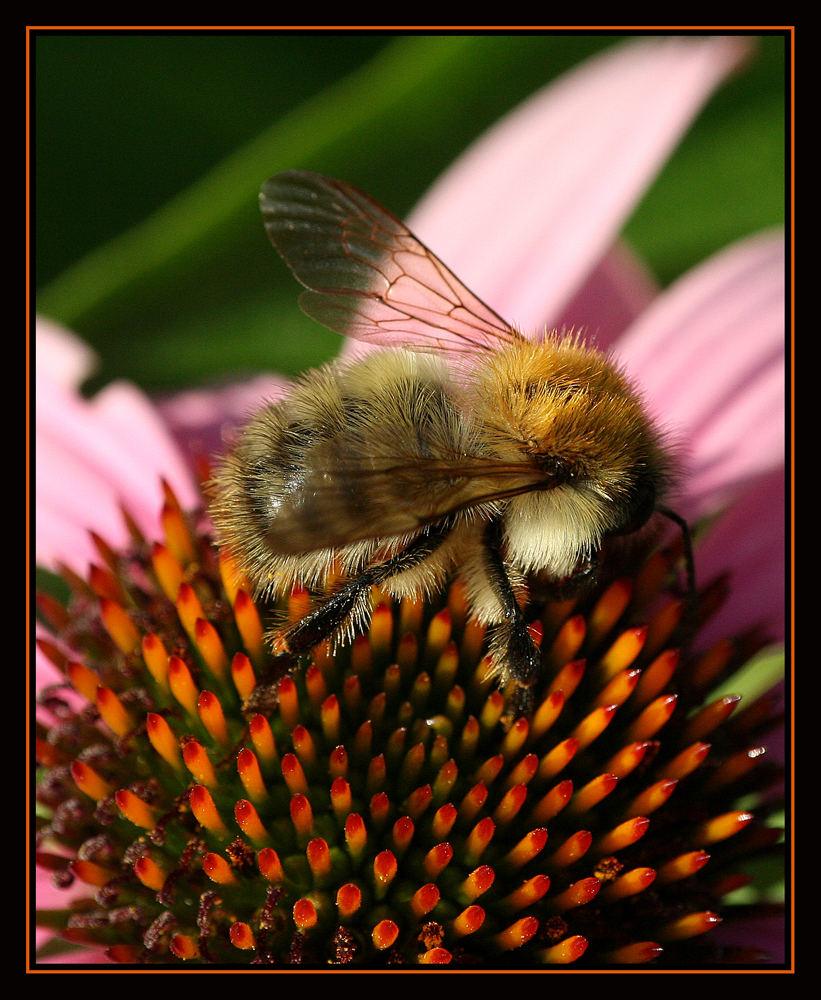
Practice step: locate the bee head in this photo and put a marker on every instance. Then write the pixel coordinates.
(567, 409)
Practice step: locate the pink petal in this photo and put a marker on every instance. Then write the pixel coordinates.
(92, 455)
(535, 203)
(65, 513)
(709, 357)
(61, 356)
(81, 956)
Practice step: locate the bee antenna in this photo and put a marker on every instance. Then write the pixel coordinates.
(688, 546)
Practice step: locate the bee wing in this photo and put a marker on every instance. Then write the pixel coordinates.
(367, 275)
(357, 503)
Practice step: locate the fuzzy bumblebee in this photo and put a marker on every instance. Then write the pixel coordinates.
(469, 449)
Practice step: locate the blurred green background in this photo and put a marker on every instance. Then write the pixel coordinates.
(149, 150)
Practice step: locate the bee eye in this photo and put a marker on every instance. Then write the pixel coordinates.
(559, 469)
(641, 502)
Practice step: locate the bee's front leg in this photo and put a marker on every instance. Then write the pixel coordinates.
(513, 649)
(333, 614)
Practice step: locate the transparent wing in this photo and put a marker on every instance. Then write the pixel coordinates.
(367, 275)
(355, 503)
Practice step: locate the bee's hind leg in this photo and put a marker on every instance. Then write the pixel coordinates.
(332, 615)
(512, 646)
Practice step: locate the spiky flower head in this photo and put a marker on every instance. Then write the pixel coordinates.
(375, 808)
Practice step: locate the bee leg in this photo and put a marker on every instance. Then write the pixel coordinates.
(330, 616)
(513, 643)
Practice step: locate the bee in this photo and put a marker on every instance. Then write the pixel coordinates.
(469, 450)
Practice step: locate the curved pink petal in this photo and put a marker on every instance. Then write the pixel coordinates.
(529, 210)
(93, 455)
(709, 355)
(60, 356)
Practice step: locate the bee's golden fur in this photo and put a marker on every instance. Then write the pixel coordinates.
(474, 450)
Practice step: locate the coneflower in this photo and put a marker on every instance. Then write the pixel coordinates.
(375, 808)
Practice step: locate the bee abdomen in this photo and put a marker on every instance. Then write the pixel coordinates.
(338, 462)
